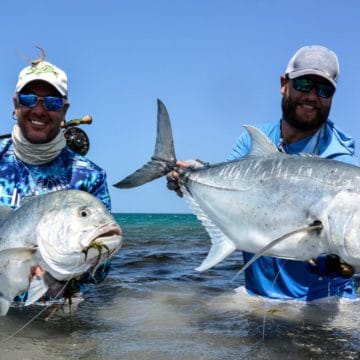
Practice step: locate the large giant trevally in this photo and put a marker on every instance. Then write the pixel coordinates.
(51, 238)
(269, 203)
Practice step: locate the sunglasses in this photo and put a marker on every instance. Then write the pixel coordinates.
(305, 85)
(50, 103)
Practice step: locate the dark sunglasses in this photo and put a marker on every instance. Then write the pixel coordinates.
(50, 103)
(305, 85)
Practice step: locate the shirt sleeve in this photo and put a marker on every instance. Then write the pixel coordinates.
(101, 190)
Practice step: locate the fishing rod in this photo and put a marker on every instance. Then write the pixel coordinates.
(76, 138)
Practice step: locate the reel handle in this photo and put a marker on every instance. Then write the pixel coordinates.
(87, 119)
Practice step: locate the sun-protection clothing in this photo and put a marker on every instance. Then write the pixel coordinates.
(67, 171)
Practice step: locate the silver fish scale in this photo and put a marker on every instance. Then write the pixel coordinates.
(239, 174)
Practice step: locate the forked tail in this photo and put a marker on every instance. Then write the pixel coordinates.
(163, 160)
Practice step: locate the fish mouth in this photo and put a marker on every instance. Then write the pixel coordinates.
(116, 231)
(106, 241)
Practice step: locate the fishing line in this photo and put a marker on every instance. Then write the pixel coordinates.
(40, 312)
(272, 286)
(315, 226)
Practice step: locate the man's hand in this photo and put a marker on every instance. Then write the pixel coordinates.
(173, 177)
(330, 265)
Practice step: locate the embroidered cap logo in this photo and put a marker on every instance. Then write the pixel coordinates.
(42, 68)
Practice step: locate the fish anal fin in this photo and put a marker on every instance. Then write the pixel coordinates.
(218, 252)
(221, 246)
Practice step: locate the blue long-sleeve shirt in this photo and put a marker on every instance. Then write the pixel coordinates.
(288, 279)
(67, 171)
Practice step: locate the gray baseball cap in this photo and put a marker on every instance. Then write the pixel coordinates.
(314, 60)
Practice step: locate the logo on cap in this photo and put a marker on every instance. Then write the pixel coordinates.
(40, 69)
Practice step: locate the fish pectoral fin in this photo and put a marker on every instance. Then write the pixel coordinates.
(37, 288)
(315, 226)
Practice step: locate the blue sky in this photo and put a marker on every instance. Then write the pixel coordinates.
(215, 64)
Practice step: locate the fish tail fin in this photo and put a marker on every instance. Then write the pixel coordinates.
(163, 159)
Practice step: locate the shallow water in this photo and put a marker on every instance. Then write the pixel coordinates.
(154, 305)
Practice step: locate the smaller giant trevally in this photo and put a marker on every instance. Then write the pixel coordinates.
(52, 238)
(268, 203)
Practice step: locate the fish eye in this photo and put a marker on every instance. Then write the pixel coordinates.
(84, 212)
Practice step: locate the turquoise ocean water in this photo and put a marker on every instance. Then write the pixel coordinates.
(154, 305)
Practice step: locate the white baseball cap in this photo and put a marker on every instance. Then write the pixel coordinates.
(314, 60)
(44, 71)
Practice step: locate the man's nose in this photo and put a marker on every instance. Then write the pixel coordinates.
(39, 107)
(313, 93)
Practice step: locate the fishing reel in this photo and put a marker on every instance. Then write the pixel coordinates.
(76, 138)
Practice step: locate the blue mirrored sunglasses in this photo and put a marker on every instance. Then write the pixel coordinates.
(50, 103)
(305, 85)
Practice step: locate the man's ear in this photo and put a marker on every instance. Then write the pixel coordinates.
(65, 109)
(16, 108)
(15, 101)
(284, 82)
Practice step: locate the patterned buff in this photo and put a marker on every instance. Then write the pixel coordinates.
(36, 154)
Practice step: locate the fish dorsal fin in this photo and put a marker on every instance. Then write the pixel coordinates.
(261, 144)
(308, 155)
(221, 246)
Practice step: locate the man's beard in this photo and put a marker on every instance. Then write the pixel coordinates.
(289, 115)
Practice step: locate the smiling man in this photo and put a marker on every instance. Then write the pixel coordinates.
(36, 159)
(307, 87)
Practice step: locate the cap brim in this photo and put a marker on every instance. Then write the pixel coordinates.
(21, 85)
